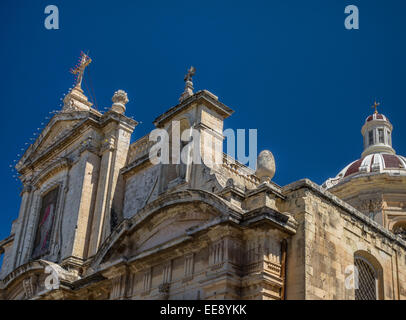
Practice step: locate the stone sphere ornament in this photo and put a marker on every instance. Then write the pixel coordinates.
(265, 166)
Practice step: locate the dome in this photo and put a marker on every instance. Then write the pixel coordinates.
(376, 116)
(371, 164)
(378, 156)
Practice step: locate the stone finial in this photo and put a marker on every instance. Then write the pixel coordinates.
(76, 100)
(120, 99)
(265, 166)
(188, 92)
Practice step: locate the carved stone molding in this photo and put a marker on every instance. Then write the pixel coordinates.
(189, 266)
(108, 144)
(147, 281)
(27, 188)
(164, 288)
(371, 205)
(89, 145)
(120, 99)
(30, 285)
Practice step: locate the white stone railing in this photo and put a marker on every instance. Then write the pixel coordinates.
(142, 146)
(234, 167)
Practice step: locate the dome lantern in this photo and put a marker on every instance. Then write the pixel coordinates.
(378, 156)
(377, 133)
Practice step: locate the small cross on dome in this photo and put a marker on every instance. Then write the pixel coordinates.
(376, 104)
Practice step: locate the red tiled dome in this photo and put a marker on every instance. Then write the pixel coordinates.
(376, 162)
(376, 116)
(372, 163)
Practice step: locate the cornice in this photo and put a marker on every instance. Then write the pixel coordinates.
(51, 170)
(5, 242)
(203, 96)
(86, 119)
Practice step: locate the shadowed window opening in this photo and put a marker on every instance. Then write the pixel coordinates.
(367, 280)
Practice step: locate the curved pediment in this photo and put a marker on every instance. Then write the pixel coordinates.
(165, 226)
(29, 280)
(161, 221)
(170, 224)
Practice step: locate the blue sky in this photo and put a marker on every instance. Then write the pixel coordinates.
(288, 68)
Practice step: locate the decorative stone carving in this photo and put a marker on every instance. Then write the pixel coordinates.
(167, 273)
(217, 253)
(364, 206)
(147, 281)
(75, 100)
(376, 205)
(120, 99)
(400, 230)
(368, 206)
(29, 286)
(27, 188)
(118, 287)
(108, 144)
(164, 288)
(189, 265)
(265, 166)
(88, 144)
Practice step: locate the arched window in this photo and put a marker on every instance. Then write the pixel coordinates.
(371, 137)
(381, 135)
(370, 282)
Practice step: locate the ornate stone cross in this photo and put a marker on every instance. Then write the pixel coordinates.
(79, 69)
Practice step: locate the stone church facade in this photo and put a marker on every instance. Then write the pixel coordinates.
(98, 220)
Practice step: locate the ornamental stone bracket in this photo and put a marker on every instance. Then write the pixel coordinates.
(89, 144)
(108, 144)
(371, 205)
(30, 286)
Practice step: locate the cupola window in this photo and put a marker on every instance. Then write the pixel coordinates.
(380, 135)
(371, 137)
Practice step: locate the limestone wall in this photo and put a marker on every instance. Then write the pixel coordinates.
(140, 188)
(333, 233)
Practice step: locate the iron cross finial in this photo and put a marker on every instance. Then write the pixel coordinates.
(376, 104)
(79, 69)
(190, 73)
